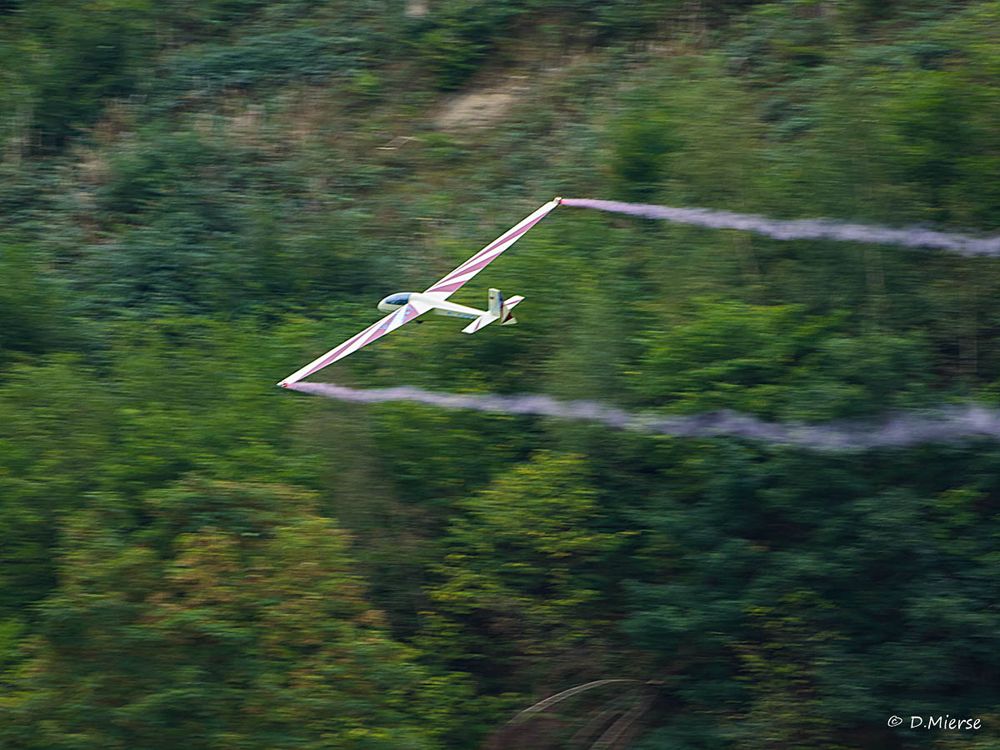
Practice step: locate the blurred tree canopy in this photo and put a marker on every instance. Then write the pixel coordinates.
(197, 197)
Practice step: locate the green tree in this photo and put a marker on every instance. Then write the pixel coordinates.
(520, 580)
(230, 617)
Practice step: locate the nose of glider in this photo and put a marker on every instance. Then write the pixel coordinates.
(394, 301)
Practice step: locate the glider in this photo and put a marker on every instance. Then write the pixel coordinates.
(406, 306)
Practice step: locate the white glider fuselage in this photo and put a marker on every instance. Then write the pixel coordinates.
(440, 306)
(497, 307)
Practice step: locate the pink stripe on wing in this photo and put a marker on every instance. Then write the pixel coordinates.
(497, 242)
(382, 329)
(337, 352)
(513, 234)
(462, 270)
(454, 280)
(447, 287)
(447, 284)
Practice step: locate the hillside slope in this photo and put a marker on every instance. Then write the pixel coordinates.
(198, 198)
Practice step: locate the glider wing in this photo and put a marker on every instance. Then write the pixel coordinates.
(457, 278)
(389, 323)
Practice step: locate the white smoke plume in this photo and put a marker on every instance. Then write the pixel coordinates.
(899, 430)
(801, 229)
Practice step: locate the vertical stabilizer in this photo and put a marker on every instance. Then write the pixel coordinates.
(495, 302)
(499, 309)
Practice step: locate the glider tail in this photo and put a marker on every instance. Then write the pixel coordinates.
(499, 309)
(506, 310)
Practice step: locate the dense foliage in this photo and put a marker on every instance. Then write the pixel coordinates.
(196, 198)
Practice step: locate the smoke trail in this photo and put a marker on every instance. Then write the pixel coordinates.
(800, 229)
(895, 431)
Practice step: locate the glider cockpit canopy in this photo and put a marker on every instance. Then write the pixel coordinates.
(395, 300)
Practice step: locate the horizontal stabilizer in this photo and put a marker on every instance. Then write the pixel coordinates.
(506, 314)
(481, 322)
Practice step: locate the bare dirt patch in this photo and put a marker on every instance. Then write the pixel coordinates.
(481, 108)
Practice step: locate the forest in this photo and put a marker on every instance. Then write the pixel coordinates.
(197, 198)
